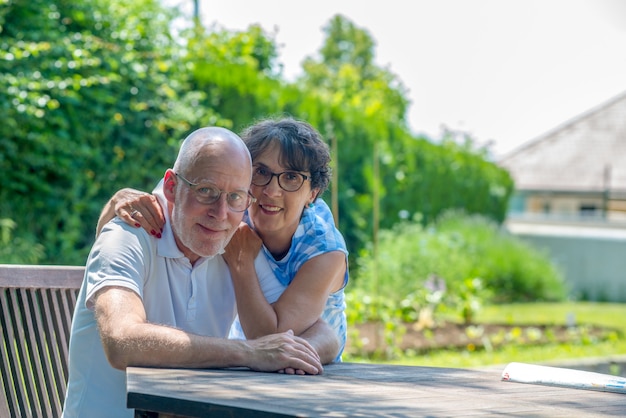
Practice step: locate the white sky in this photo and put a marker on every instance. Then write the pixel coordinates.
(505, 71)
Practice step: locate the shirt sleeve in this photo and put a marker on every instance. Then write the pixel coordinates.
(118, 258)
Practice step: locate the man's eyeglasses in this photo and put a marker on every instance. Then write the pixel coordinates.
(208, 194)
(289, 181)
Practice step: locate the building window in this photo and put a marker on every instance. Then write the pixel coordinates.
(588, 209)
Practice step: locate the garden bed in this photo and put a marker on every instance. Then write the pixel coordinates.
(371, 337)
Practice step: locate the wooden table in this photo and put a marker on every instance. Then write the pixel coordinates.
(359, 390)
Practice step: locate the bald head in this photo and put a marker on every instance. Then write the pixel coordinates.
(212, 143)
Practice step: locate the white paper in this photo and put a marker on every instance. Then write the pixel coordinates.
(556, 376)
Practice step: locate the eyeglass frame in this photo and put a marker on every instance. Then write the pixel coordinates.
(277, 175)
(192, 186)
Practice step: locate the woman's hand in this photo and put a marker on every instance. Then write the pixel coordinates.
(136, 208)
(140, 209)
(243, 247)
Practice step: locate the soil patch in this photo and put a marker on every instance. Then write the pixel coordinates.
(371, 337)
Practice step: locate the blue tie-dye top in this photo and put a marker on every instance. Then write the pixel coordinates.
(316, 234)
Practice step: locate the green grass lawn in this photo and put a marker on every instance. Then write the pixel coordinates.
(609, 315)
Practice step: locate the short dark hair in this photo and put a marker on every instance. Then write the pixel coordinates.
(301, 147)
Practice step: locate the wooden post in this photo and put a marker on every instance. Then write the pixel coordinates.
(334, 187)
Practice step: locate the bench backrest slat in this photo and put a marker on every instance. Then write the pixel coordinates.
(36, 308)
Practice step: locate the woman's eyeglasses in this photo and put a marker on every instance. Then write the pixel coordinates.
(289, 181)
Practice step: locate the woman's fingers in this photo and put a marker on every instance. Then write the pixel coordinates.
(141, 210)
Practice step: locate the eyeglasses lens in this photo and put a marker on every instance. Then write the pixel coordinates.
(237, 201)
(290, 181)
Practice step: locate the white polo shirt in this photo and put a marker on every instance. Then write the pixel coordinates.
(199, 299)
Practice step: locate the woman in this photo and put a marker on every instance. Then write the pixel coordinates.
(288, 262)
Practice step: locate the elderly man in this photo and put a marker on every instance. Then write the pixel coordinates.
(169, 301)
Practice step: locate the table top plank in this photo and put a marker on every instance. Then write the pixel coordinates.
(366, 390)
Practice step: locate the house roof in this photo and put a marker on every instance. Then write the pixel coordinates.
(585, 154)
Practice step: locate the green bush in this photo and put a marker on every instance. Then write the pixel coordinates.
(469, 259)
(513, 269)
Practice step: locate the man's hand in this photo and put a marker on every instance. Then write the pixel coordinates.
(284, 352)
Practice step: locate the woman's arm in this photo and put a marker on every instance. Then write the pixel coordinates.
(136, 208)
(301, 304)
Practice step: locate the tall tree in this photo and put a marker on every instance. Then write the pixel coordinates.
(370, 100)
(346, 70)
(384, 169)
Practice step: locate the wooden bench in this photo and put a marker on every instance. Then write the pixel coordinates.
(36, 308)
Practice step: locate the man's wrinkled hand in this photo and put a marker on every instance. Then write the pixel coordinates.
(285, 353)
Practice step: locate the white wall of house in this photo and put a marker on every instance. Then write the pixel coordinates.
(592, 258)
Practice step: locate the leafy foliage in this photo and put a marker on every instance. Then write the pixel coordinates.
(450, 269)
(236, 71)
(17, 250)
(96, 94)
(88, 101)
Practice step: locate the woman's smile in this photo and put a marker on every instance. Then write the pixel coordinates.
(270, 209)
